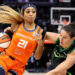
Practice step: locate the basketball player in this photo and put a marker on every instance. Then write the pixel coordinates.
(63, 57)
(26, 37)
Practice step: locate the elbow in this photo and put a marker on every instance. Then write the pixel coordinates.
(37, 57)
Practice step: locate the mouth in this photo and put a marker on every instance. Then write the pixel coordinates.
(30, 16)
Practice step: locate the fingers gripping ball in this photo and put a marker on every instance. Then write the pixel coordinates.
(4, 41)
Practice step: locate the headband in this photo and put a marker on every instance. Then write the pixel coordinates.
(29, 5)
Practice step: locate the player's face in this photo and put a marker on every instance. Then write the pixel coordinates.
(65, 39)
(30, 14)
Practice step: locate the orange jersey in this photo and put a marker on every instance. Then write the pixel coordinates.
(23, 43)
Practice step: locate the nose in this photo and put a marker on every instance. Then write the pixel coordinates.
(61, 39)
(30, 13)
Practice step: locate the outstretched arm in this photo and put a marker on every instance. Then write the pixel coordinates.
(68, 63)
(64, 66)
(51, 36)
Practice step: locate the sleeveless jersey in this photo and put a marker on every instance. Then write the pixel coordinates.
(23, 43)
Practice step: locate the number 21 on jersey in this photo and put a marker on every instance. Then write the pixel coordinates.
(22, 43)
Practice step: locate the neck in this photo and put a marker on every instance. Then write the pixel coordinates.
(29, 25)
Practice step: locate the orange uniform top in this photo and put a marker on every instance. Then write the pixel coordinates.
(23, 43)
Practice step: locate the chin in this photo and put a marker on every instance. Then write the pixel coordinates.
(31, 21)
(63, 46)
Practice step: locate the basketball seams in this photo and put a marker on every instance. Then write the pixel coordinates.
(4, 38)
(4, 42)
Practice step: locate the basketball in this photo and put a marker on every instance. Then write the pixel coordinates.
(4, 41)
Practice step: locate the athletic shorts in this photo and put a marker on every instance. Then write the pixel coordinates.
(9, 63)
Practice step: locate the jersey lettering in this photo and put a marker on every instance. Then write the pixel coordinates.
(22, 43)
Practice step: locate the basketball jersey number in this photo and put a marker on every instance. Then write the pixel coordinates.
(22, 43)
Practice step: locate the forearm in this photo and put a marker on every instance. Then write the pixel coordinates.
(51, 36)
(39, 51)
(68, 63)
(62, 68)
(53, 72)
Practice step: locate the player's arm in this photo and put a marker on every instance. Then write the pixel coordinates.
(13, 28)
(68, 63)
(40, 45)
(65, 65)
(7, 29)
(40, 38)
(51, 36)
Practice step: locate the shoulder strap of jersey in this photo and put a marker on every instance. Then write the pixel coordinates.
(38, 29)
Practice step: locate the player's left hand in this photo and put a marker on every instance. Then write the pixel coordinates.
(39, 39)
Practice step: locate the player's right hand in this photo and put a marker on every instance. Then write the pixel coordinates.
(7, 29)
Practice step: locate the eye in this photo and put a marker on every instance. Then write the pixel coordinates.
(33, 11)
(27, 11)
